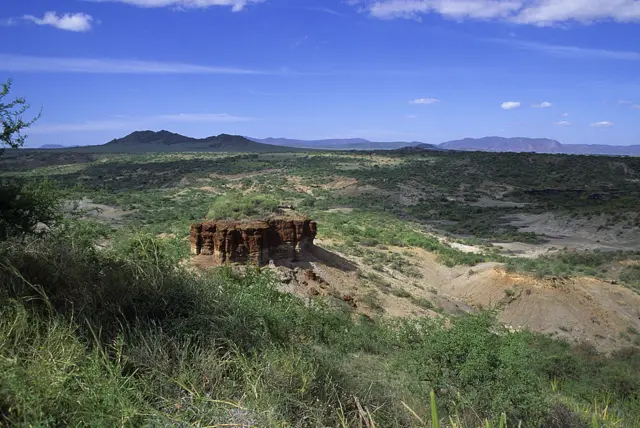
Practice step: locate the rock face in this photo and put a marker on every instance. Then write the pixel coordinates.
(255, 242)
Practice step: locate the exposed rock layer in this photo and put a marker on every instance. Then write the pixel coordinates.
(254, 242)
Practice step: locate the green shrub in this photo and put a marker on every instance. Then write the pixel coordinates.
(237, 206)
(400, 292)
(23, 207)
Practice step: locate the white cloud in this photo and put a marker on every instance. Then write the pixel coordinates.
(624, 102)
(427, 101)
(565, 115)
(564, 123)
(510, 105)
(604, 124)
(236, 5)
(544, 104)
(548, 12)
(454, 9)
(533, 12)
(78, 22)
(636, 106)
(411, 116)
(132, 123)
(20, 63)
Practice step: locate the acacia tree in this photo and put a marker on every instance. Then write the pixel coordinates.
(11, 116)
(22, 206)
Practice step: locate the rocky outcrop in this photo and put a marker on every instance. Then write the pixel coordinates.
(255, 242)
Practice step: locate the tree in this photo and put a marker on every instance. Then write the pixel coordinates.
(22, 206)
(11, 116)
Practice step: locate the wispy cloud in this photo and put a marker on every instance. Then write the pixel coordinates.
(624, 102)
(510, 105)
(425, 101)
(544, 104)
(636, 106)
(565, 115)
(568, 51)
(564, 123)
(296, 44)
(8, 22)
(604, 124)
(236, 5)
(325, 10)
(411, 116)
(132, 123)
(531, 12)
(77, 22)
(21, 63)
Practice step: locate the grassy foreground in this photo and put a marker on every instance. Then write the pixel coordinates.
(102, 338)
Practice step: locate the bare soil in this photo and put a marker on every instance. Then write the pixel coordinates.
(580, 309)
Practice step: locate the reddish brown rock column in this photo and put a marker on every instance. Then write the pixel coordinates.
(256, 242)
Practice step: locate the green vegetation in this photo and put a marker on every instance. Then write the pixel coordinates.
(98, 338)
(13, 123)
(380, 228)
(233, 206)
(631, 276)
(23, 207)
(573, 263)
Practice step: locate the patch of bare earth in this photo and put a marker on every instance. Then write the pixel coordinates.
(580, 233)
(104, 213)
(580, 309)
(336, 183)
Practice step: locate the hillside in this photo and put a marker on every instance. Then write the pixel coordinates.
(426, 146)
(165, 141)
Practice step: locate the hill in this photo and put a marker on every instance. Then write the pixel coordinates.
(538, 145)
(52, 146)
(425, 146)
(165, 141)
(335, 144)
(500, 144)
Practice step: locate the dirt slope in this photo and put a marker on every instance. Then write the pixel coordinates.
(576, 309)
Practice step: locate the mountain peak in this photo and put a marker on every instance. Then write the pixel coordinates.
(167, 141)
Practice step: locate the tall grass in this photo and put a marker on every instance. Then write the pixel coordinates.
(101, 338)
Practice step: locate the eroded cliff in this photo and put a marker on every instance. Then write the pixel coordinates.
(255, 242)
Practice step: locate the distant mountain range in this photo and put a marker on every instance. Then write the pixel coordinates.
(486, 144)
(339, 144)
(165, 141)
(537, 145)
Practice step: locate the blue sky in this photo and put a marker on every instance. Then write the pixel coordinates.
(385, 70)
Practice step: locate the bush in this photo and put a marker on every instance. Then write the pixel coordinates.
(236, 207)
(23, 207)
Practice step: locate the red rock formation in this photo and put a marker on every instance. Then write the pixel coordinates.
(255, 242)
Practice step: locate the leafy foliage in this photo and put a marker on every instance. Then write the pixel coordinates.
(234, 206)
(11, 116)
(22, 208)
